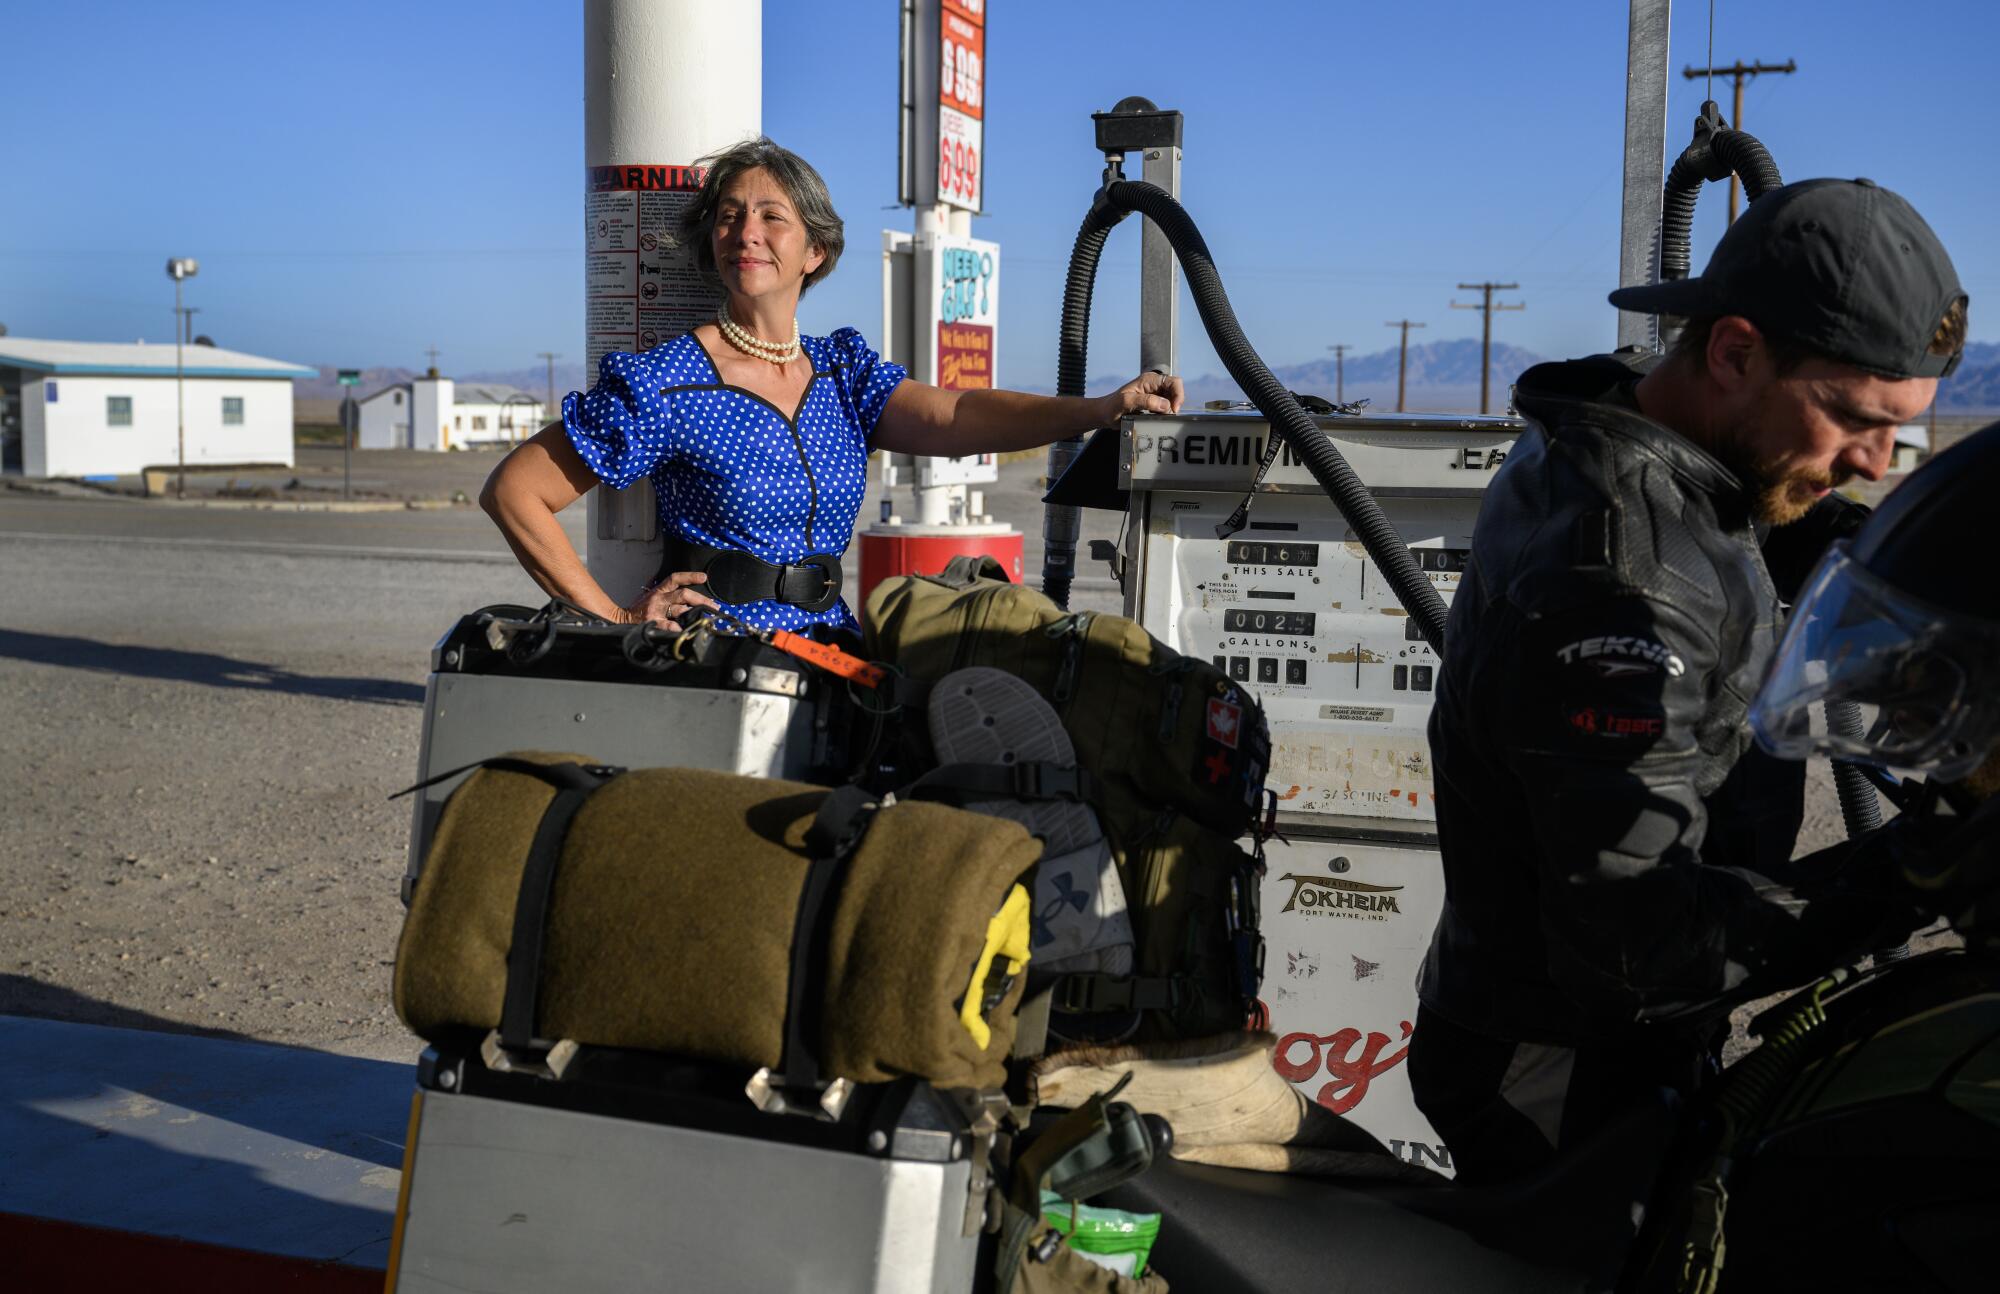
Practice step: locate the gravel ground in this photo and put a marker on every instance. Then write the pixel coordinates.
(201, 733)
(198, 832)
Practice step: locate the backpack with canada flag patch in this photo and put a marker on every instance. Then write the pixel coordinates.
(1176, 755)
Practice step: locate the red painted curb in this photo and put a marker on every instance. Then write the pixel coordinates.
(49, 1257)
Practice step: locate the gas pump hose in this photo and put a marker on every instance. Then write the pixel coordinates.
(1118, 198)
(1715, 154)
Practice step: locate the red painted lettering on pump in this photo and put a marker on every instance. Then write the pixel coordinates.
(1351, 1063)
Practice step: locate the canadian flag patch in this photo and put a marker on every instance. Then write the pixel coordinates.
(1225, 722)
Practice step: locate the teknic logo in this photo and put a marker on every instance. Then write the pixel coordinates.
(1641, 653)
(1330, 896)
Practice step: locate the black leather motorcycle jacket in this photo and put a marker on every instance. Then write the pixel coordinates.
(1610, 851)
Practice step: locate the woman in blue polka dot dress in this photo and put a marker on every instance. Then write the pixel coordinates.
(757, 439)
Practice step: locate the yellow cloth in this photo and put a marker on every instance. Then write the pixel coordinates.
(1006, 936)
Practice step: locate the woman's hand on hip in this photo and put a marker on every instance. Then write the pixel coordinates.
(665, 602)
(1150, 392)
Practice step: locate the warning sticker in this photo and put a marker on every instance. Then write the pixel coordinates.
(1358, 713)
(641, 286)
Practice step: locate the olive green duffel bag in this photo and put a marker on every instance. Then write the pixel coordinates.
(764, 923)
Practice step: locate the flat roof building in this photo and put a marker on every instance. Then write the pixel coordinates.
(78, 408)
(454, 415)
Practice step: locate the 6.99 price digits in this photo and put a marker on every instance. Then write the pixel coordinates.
(958, 169)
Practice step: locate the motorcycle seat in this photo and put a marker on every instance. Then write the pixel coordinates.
(1565, 1229)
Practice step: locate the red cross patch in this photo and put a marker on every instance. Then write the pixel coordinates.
(1225, 722)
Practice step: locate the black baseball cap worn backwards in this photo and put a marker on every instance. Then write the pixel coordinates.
(1844, 268)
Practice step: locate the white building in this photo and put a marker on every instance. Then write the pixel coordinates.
(447, 415)
(1913, 446)
(109, 409)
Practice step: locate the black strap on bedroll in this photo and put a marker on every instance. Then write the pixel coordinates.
(835, 833)
(574, 784)
(735, 576)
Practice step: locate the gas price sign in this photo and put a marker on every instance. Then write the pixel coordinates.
(961, 101)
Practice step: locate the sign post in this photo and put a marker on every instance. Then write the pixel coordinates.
(350, 423)
(941, 291)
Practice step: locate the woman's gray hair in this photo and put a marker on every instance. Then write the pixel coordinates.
(794, 175)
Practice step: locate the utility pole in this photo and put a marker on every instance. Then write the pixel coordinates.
(1340, 371)
(1486, 309)
(1402, 355)
(549, 409)
(1736, 72)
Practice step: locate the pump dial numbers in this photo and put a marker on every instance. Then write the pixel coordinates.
(1261, 553)
(1244, 620)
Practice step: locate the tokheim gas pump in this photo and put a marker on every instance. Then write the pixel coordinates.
(1235, 551)
(1294, 609)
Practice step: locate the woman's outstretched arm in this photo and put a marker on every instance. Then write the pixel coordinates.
(921, 419)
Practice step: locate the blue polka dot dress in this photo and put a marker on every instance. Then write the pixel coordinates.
(730, 469)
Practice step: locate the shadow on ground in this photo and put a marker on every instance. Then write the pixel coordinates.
(20, 995)
(161, 1069)
(197, 667)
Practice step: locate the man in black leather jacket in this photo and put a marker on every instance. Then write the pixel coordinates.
(1613, 861)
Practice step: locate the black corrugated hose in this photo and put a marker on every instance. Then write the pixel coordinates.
(1313, 446)
(1714, 155)
(1061, 524)
(1860, 810)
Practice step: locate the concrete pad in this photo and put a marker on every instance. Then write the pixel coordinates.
(274, 1150)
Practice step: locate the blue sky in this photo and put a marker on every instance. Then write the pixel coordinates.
(365, 180)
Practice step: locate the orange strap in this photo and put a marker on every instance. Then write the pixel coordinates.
(831, 659)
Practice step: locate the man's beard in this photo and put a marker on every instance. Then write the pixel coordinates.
(1783, 491)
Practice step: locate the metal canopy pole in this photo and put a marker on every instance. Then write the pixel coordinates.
(1159, 272)
(1645, 161)
(663, 84)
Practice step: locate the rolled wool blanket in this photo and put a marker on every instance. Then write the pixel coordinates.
(671, 922)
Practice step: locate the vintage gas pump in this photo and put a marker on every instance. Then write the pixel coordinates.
(1238, 549)
(1295, 610)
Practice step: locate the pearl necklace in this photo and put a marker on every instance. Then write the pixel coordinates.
(753, 345)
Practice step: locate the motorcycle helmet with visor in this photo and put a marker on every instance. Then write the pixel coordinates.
(1901, 621)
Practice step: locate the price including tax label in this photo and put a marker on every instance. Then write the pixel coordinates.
(1257, 552)
(1245, 620)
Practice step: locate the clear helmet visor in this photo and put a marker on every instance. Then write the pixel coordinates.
(1921, 685)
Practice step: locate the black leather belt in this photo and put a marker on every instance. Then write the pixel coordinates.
(735, 576)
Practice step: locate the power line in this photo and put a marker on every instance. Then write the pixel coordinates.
(1402, 355)
(1341, 375)
(1486, 307)
(1736, 72)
